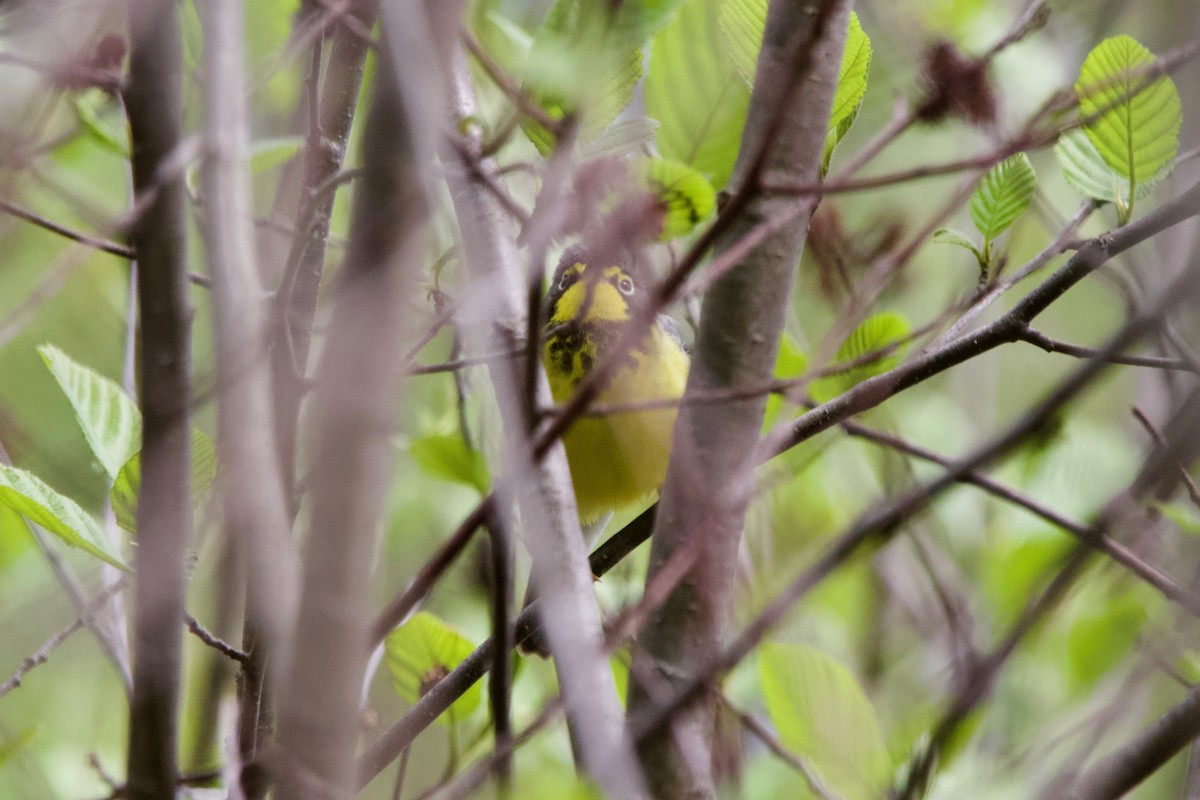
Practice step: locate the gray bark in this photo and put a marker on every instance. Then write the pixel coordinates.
(711, 471)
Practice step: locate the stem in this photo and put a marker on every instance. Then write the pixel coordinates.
(164, 504)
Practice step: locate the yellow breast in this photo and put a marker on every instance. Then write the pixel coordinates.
(621, 457)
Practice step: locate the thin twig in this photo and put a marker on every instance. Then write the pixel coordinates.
(96, 242)
(1192, 490)
(777, 748)
(42, 654)
(1036, 337)
(214, 641)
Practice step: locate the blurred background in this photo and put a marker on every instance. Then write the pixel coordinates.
(1111, 657)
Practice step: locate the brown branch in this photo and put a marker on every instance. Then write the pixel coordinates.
(704, 498)
(353, 411)
(96, 242)
(213, 641)
(331, 113)
(765, 735)
(879, 526)
(1039, 339)
(542, 483)
(1142, 755)
(1088, 534)
(154, 107)
(507, 85)
(250, 484)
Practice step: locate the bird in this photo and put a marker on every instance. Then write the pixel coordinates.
(619, 458)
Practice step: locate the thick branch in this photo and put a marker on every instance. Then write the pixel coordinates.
(706, 491)
(252, 488)
(324, 152)
(164, 504)
(542, 484)
(353, 413)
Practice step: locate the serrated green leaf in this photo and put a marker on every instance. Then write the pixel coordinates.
(694, 91)
(877, 333)
(1085, 171)
(622, 136)
(110, 420)
(1003, 195)
(421, 652)
(851, 85)
(1137, 130)
(742, 23)
(957, 238)
(686, 198)
(448, 457)
(26, 494)
(124, 493)
(586, 61)
(823, 715)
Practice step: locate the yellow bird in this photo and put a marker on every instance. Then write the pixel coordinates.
(619, 458)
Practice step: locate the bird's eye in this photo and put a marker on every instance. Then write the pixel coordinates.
(625, 285)
(565, 280)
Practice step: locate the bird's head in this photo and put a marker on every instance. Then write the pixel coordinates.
(584, 292)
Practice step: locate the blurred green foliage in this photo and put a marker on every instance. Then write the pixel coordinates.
(865, 664)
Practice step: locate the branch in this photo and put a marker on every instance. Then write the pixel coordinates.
(331, 113)
(153, 103)
(404, 731)
(706, 493)
(250, 484)
(42, 654)
(1088, 534)
(215, 642)
(97, 242)
(1039, 339)
(353, 413)
(879, 526)
(1142, 755)
(1007, 328)
(571, 616)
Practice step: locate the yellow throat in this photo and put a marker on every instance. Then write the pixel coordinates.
(620, 458)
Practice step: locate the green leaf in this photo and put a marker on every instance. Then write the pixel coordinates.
(1004, 194)
(124, 493)
(687, 199)
(694, 91)
(851, 86)
(110, 420)
(877, 333)
(1104, 636)
(28, 495)
(823, 715)
(742, 23)
(958, 238)
(1137, 130)
(268, 153)
(449, 457)
(623, 136)
(583, 60)
(791, 362)
(421, 652)
(1085, 171)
